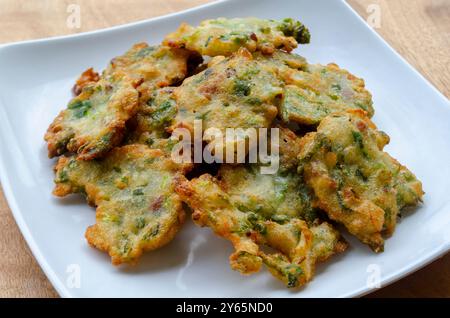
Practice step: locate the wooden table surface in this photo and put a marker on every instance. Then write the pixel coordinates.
(418, 29)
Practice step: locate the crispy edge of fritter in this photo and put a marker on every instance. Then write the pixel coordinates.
(87, 77)
(127, 63)
(182, 62)
(357, 85)
(293, 32)
(61, 137)
(154, 116)
(185, 117)
(295, 260)
(94, 195)
(368, 222)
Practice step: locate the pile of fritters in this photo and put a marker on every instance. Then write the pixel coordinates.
(114, 141)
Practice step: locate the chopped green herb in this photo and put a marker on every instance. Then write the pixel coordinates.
(261, 228)
(336, 87)
(208, 40)
(359, 174)
(140, 222)
(241, 88)
(279, 218)
(154, 230)
(80, 108)
(145, 51)
(358, 138)
(296, 29)
(62, 177)
(254, 101)
(203, 116)
(293, 272)
(138, 192)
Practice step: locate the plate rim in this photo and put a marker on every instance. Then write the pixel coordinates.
(58, 284)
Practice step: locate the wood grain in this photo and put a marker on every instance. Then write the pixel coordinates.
(418, 29)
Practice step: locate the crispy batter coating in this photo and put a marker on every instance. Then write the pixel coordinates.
(253, 210)
(236, 92)
(87, 77)
(118, 134)
(133, 190)
(285, 63)
(355, 182)
(153, 67)
(154, 117)
(317, 91)
(94, 121)
(275, 196)
(298, 246)
(225, 36)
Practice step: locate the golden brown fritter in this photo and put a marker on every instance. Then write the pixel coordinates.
(252, 210)
(133, 190)
(154, 117)
(237, 92)
(317, 91)
(225, 36)
(285, 63)
(94, 121)
(87, 77)
(153, 67)
(279, 196)
(355, 182)
(298, 246)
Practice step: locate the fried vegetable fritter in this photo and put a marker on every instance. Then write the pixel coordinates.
(94, 121)
(285, 63)
(87, 77)
(225, 36)
(251, 210)
(355, 182)
(155, 116)
(298, 246)
(119, 137)
(133, 190)
(154, 67)
(317, 91)
(275, 196)
(237, 92)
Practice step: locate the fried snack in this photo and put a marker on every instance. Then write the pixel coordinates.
(317, 91)
(237, 92)
(355, 182)
(153, 67)
(285, 63)
(225, 36)
(87, 77)
(133, 190)
(278, 196)
(251, 210)
(298, 246)
(154, 117)
(94, 121)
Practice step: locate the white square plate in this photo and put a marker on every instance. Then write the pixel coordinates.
(35, 82)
